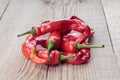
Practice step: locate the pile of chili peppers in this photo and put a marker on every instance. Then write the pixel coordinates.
(61, 45)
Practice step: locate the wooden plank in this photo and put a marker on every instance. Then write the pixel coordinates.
(112, 12)
(22, 14)
(3, 6)
(19, 17)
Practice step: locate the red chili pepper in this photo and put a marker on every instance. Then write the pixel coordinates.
(64, 26)
(40, 56)
(51, 26)
(82, 56)
(66, 40)
(53, 42)
(27, 44)
(70, 44)
(55, 56)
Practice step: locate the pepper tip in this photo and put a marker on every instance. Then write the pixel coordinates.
(18, 35)
(103, 45)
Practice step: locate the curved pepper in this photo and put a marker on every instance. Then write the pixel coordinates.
(82, 56)
(71, 46)
(55, 56)
(64, 26)
(40, 56)
(29, 41)
(53, 42)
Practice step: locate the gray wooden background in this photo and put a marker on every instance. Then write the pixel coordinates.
(17, 16)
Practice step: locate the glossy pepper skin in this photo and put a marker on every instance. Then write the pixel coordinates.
(82, 56)
(56, 56)
(69, 44)
(27, 44)
(72, 45)
(53, 41)
(40, 56)
(64, 26)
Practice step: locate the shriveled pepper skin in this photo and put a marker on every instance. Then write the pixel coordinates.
(82, 56)
(63, 26)
(25, 50)
(53, 42)
(54, 55)
(55, 37)
(53, 26)
(40, 56)
(59, 28)
(26, 45)
(68, 46)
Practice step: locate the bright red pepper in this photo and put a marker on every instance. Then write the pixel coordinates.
(53, 41)
(71, 46)
(64, 26)
(40, 56)
(51, 26)
(29, 41)
(55, 56)
(69, 43)
(82, 56)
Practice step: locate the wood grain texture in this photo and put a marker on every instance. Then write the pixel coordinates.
(22, 14)
(112, 12)
(3, 6)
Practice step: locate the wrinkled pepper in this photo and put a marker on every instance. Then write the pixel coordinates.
(63, 26)
(40, 56)
(53, 42)
(74, 49)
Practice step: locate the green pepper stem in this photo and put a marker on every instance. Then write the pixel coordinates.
(50, 45)
(27, 32)
(78, 46)
(62, 57)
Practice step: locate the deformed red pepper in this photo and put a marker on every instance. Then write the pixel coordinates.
(82, 56)
(40, 56)
(59, 39)
(63, 26)
(71, 46)
(27, 44)
(53, 42)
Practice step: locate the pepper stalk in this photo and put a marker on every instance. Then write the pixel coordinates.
(27, 32)
(50, 45)
(79, 46)
(62, 57)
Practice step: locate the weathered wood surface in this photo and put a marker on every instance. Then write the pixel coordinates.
(20, 15)
(112, 12)
(3, 7)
